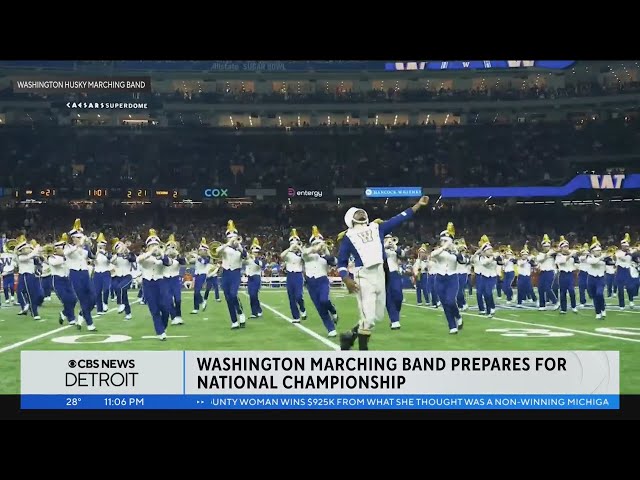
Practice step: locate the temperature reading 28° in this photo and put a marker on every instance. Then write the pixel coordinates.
(73, 402)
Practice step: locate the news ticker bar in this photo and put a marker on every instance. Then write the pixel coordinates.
(40, 84)
(320, 402)
(298, 379)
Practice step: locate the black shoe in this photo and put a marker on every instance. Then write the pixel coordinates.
(61, 318)
(23, 312)
(347, 340)
(363, 342)
(243, 325)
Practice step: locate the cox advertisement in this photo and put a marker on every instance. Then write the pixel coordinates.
(218, 192)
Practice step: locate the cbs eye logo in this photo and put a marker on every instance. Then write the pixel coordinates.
(291, 192)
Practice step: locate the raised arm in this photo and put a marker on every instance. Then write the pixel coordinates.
(393, 222)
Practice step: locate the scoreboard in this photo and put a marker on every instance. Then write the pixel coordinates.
(98, 193)
(148, 194)
(34, 193)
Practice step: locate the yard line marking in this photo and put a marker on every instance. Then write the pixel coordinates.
(615, 308)
(51, 332)
(306, 330)
(547, 326)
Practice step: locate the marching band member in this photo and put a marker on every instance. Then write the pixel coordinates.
(112, 291)
(38, 260)
(583, 275)
(46, 280)
(509, 273)
(462, 270)
(317, 260)
(394, 282)
(364, 241)
(22, 293)
(253, 268)
(9, 263)
(555, 284)
(123, 262)
(499, 280)
(446, 258)
(431, 282)
(62, 284)
(77, 255)
(567, 263)
(420, 272)
(232, 254)
(102, 275)
(524, 284)
(136, 282)
(202, 260)
(172, 277)
(486, 273)
(635, 271)
(547, 265)
(152, 263)
(212, 281)
(610, 278)
(475, 265)
(27, 280)
(292, 257)
(623, 272)
(595, 281)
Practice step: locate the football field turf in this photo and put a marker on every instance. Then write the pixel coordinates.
(423, 328)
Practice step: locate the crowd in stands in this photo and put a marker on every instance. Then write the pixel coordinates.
(468, 155)
(509, 91)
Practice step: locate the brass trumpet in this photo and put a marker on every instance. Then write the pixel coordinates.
(10, 245)
(329, 243)
(213, 247)
(48, 249)
(191, 256)
(158, 250)
(93, 236)
(237, 240)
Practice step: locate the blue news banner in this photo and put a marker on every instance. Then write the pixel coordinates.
(320, 402)
(237, 380)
